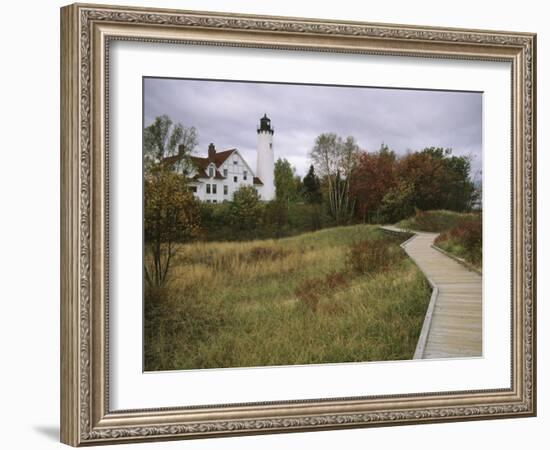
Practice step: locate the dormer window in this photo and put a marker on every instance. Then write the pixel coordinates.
(211, 171)
(225, 173)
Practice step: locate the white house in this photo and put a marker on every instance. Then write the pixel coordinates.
(216, 177)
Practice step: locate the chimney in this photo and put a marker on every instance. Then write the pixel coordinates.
(211, 151)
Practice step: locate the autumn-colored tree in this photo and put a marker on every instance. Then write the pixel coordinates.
(389, 188)
(425, 171)
(170, 216)
(171, 213)
(375, 176)
(440, 180)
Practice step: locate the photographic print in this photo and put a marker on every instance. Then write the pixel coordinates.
(289, 224)
(283, 232)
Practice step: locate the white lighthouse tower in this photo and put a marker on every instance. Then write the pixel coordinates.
(265, 164)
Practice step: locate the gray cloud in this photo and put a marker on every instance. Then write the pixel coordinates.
(227, 113)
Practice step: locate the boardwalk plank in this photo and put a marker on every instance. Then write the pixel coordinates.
(456, 323)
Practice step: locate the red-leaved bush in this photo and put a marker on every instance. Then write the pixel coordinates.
(312, 290)
(371, 256)
(465, 239)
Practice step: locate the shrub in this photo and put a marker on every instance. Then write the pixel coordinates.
(312, 290)
(246, 209)
(397, 203)
(371, 256)
(464, 240)
(309, 293)
(170, 215)
(215, 221)
(304, 217)
(437, 221)
(336, 280)
(275, 218)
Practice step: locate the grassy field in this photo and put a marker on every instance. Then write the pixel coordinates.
(335, 295)
(461, 233)
(436, 221)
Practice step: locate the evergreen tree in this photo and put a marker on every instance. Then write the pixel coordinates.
(312, 186)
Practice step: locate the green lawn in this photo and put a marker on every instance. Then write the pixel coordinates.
(297, 300)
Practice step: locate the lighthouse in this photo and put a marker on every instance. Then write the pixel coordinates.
(265, 164)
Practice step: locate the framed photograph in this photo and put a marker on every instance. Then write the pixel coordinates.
(275, 224)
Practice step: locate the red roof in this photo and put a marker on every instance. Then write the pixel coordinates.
(203, 174)
(218, 159)
(201, 164)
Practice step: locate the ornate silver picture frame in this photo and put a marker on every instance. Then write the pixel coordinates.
(87, 34)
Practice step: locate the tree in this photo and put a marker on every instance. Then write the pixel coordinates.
(440, 180)
(162, 140)
(461, 190)
(398, 202)
(246, 208)
(312, 186)
(285, 182)
(171, 215)
(335, 160)
(374, 177)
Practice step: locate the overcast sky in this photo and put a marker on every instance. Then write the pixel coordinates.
(227, 114)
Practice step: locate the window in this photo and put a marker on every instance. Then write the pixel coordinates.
(235, 161)
(208, 189)
(214, 189)
(245, 175)
(271, 145)
(225, 173)
(214, 201)
(210, 171)
(193, 188)
(235, 179)
(225, 190)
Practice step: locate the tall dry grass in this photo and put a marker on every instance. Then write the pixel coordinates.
(291, 301)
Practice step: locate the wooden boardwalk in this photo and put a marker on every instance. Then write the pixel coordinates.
(453, 325)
